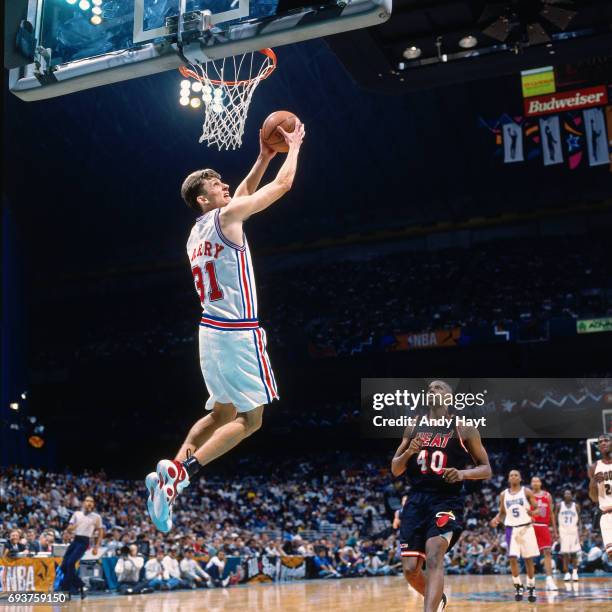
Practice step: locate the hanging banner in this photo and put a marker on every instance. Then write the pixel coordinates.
(552, 151)
(513, 143)
(609, 122)
(566, 101)
(597, 139)
(538, 81)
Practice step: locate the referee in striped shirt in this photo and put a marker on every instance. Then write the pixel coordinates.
(83, 523)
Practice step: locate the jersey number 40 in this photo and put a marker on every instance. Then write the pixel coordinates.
(437, 464)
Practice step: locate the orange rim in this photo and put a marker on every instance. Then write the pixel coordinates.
(269, 53)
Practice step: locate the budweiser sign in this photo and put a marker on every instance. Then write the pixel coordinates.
(566, 100)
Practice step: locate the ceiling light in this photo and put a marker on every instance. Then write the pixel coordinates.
(468, 42)
(14, 406)
(412, 53)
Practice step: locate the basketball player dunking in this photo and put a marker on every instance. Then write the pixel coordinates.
(569, 534)
(600, 489)
(517, 505)
(233, 356)
(435, 459)
(542, 520)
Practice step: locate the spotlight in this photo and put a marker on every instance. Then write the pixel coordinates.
(196, 86)
(96, 10)
(97, 2)
(24, 395)
(195, 102)
(184, 101)
(468, 42)
(84, 5)
(71, 1)
(185, 84)
(14, 406)
(96, 20)
(412, 53)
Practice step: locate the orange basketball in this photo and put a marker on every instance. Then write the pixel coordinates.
(271, 136)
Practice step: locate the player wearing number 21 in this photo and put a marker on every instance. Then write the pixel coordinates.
(233, 355)
(435, 459)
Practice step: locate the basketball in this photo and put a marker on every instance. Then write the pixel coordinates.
(271, 135)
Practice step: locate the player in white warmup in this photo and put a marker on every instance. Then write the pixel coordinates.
(568, 519)
(233, 357)
(600, 489)
(517, 505)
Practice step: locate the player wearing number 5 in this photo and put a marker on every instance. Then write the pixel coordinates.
(517, 506)
(233, 356)
(435, 458)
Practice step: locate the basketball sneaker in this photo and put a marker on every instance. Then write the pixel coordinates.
(550, 584)
(172, 479)
(531, 597)
(567, 577)
(443, 603)
(575, 575)
(152, 484)
(518, 596)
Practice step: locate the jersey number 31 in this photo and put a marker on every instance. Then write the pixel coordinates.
(214, 293)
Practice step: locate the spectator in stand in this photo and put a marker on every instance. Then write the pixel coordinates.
(32, 543)
(325, 565)
(128, 570)
(216, 569)
(157, 575)
(15, 546)
(192, 573)
(45, 542)
(171, 565)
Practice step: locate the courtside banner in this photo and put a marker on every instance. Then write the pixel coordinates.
(588, 97)
(497, 407)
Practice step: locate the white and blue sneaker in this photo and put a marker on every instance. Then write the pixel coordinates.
(163, 486)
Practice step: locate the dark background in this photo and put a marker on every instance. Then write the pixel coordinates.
(94, 235)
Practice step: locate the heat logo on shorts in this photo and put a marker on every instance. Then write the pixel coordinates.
(443, 518)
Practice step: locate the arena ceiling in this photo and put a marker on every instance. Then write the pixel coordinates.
(431, 43)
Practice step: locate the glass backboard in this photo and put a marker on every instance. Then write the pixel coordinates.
(84, 43)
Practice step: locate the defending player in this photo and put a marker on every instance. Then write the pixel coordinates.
(600, 489)
(435, 459)
(542, 520)
(233, 356)
(569, 534)
(517, 505)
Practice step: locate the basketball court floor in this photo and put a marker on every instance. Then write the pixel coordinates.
(389, 594)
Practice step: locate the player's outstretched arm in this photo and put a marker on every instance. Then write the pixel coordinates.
(242, 207)
(482, 471)
(250, 184)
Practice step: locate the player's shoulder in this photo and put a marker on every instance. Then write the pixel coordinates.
(468, 432)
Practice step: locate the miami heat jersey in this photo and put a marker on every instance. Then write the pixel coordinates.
(604, 489)
(223, 276)
(568, 517)
(442, 448)
(516, 505)
(543, 512)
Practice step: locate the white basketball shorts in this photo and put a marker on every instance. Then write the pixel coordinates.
(236, 367)
(569, 542)
(522, 542)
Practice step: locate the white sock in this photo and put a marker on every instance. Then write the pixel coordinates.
(517, 580)
(530, 581)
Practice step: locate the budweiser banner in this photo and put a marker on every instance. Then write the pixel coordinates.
(513, 143)
(552, 150)
(27, 574)
(588, 97)
(597, 139)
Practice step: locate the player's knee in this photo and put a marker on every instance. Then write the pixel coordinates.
(224, 413)
(411, 568)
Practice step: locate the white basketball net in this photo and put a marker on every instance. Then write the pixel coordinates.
(227, 86)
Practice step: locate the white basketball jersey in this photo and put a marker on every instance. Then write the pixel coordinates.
(568, 517)
(516, 505)
(223, 276)
(604, 489)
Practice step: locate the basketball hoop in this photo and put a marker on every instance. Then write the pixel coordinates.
(227, 86)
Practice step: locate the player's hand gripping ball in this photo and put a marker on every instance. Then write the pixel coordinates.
(272, 135)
